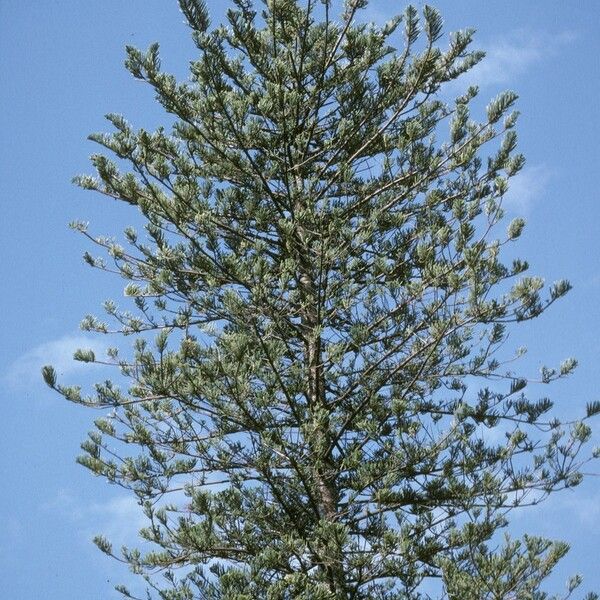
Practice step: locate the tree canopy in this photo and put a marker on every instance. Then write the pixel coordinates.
(320, 402)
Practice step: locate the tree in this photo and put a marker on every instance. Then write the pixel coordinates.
(320, 313)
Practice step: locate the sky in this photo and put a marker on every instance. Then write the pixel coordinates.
(61, 68)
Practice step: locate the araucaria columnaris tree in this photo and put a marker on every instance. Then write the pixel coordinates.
(321, 266)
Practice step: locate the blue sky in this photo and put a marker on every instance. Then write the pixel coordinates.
(61, 71)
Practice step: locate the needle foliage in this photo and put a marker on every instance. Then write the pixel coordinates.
(320, 402)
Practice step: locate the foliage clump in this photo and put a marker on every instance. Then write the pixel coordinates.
(326, 409)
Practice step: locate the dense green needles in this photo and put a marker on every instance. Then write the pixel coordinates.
(320, 402)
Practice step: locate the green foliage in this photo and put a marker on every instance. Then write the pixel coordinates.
(320, 310)
(196, 14)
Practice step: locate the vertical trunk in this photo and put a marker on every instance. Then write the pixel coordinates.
(323, 463)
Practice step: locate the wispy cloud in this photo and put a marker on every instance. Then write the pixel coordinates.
(507, 57)
(13, 533)
(512, 55)
(25, 371)
(378, 14)
(119, 519)
(526, 188)
(581, 506)
(586, 508)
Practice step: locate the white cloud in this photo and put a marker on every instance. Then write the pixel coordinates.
(119, 519)
(582, 506)
(13, 533)
(507, 57)
(513, 55)
(526, 188)
(376, 14)
(25, 371)
(572, 510)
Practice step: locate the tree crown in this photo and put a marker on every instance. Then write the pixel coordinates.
(323, 276)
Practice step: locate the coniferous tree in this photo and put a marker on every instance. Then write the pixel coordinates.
(321, 270)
